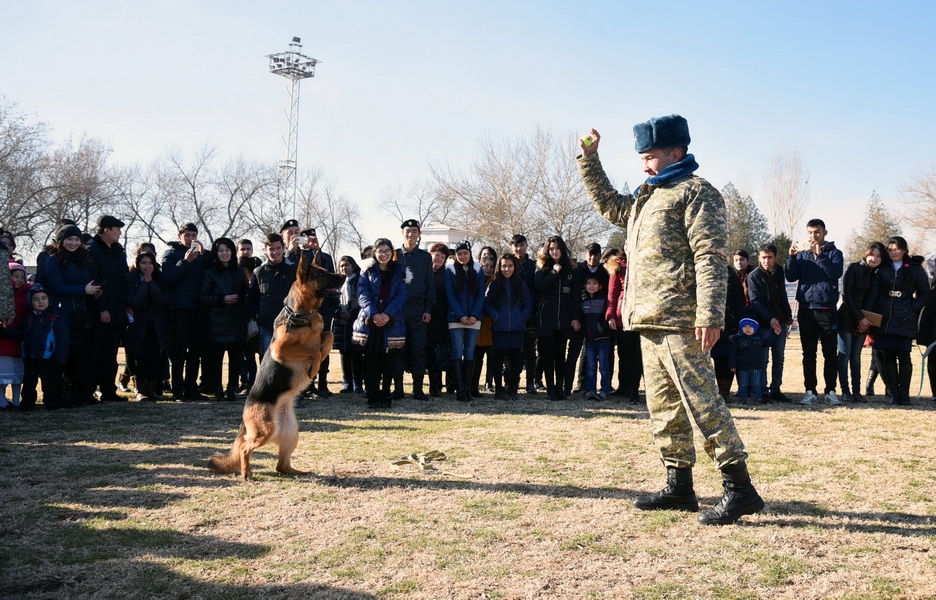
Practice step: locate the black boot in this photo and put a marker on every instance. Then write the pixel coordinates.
(435, 383)
(740, 498)
(418, 393)
(456, 376)
(467, 374)
(474, 378)
(903, 378)
(677, 495)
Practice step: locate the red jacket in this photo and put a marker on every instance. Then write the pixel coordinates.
(9, 346)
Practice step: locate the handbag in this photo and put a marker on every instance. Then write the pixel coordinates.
(252, 329)
(874, 318)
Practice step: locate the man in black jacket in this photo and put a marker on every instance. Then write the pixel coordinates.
(107, 326)
(269, 288)
(519, 245)
(767, 294)
(420, 298)
(183, 267)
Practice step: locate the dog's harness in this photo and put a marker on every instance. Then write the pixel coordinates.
(297, 319)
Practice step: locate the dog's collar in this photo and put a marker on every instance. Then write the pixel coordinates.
(296, 319)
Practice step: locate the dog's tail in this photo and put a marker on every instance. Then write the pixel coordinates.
(230, 462)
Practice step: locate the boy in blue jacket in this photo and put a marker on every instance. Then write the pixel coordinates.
(45, 351)
(748, 359)
(597, 339)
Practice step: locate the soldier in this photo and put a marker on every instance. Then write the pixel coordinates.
(420, 297)
(676, 228)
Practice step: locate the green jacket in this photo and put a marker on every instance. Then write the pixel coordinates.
(676, 255)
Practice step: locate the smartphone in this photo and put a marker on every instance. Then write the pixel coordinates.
(302, 239)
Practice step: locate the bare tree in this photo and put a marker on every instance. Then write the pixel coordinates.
(420, 201)
(24, 183)
(919, 197)
(528, 186)
(787, 190)
(334, 217)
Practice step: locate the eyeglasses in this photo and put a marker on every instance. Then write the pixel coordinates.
(383, 252)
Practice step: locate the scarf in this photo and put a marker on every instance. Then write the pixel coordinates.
(686, 166)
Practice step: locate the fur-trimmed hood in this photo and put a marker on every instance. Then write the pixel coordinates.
(612, 264)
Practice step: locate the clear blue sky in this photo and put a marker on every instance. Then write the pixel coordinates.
(848, 85)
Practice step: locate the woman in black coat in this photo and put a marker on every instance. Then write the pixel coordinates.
(853, 326)
(352, 355)
(147, 337)
(553, 277)
(900, 290)
(224, 291)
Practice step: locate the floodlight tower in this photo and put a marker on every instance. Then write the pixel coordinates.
(294, 66)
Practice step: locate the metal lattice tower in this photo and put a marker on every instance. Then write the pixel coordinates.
(294, 66)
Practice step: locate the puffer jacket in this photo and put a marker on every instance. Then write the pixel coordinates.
(900, 296)
(150, 302)
(554, 311)
(817, 276)
(393, 306)
(463, 303)
(507, 313)
(268, 290)
(856, 283)
(348, 303)
(184, 278)
(10, 346)
(227, 322)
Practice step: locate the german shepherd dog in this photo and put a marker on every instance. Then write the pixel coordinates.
(298, 347)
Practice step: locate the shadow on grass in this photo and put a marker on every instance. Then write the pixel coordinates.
(86, 560)
(553, 491)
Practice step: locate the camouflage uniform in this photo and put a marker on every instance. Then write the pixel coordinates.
(676, 259)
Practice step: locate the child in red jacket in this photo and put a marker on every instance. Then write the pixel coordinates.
(11, 363)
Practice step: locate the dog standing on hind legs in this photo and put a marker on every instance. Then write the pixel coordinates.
(298, 347)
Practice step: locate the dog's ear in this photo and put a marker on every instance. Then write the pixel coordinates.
(316, 259)
(302, 270)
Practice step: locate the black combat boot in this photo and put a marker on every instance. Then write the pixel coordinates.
(740, 498)
(677, 495)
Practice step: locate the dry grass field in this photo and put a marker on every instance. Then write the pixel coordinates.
(532, 501)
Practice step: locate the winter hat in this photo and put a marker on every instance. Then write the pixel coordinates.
(35, 289)
(15, 266)
(671, 131)
(462, 245)
(66, 232)
(748, 321)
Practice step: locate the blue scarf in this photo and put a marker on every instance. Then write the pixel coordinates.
(686, 166)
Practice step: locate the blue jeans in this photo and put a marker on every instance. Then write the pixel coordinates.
(266, 336)
(777, 348)
(598, 354)
(749, 383)
(849, 355)
(462, 342)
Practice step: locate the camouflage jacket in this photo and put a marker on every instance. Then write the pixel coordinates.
(676, 277)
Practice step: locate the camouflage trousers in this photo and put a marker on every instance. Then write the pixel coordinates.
(681, 392)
